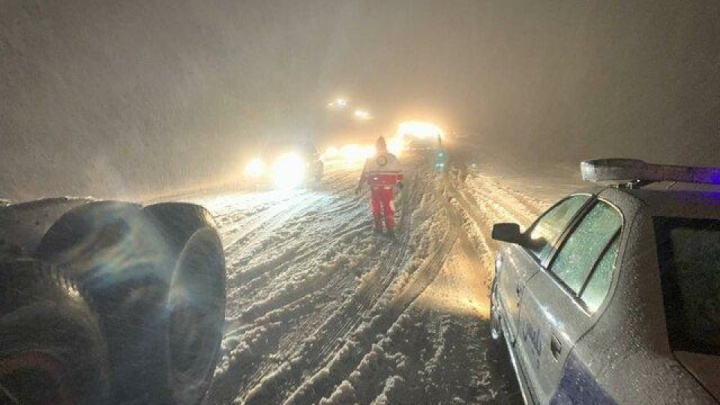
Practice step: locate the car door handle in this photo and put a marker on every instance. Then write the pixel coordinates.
(555, 347)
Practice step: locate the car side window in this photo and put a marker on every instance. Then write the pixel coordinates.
(582, 250)
(598, 286)
(689, 256)
(546, 231)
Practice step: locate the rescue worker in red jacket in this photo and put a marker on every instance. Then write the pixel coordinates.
(382, 173)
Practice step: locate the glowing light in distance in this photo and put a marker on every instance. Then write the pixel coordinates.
(255, 168)
(289, 170)
(362, 114)
(419, 129)
(339, 104)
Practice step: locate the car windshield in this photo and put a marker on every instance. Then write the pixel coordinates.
(689, 256)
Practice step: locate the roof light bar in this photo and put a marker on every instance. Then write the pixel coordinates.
(637, 170)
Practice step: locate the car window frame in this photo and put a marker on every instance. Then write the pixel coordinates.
(615, 238)
(571, 225)
(565, 235)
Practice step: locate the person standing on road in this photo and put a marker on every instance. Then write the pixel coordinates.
(382, 173)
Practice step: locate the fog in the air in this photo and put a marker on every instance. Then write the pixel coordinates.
(127, 98)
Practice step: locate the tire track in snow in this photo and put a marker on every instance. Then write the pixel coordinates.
(268, 222)
(298, 252)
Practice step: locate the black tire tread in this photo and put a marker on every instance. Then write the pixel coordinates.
(40, 309)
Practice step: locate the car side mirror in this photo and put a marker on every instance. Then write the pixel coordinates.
(508, 232)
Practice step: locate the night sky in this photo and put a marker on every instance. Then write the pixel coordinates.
(121, 98)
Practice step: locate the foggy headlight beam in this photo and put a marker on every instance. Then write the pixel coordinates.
(332, 152)
(255, 168)
(352, 153)
(395, 146)
(289, 170)
(419, 129)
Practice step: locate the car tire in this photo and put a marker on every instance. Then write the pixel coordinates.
(195, 301)
(51, 346)
(133, 261)
(108, 249)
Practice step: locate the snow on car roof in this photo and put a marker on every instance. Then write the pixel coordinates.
(638, 170)
(680, 203)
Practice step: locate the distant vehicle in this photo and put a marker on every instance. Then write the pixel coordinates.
(284, 164)
(107, 302)
(415, 142)
(420, 135)
(613, 294)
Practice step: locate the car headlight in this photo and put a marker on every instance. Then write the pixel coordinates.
(289, 170)
(255, 168)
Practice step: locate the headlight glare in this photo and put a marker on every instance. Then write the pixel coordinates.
(255, 168)
(289, 170)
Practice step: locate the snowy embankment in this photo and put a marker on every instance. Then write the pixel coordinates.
(321, 310)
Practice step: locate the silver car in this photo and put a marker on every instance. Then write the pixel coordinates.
(613, 294)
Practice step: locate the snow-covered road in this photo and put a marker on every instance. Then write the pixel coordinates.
(321, 310)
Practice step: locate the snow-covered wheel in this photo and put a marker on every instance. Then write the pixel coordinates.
(195, 302)
(52, 350)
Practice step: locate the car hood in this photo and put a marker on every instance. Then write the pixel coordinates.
(705, 369)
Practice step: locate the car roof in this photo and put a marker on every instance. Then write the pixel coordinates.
(682, 203)
(673, 203)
